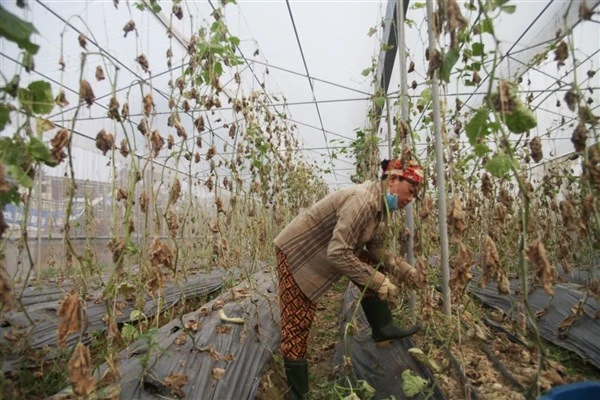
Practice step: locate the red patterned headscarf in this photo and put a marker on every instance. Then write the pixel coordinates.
(412, 171)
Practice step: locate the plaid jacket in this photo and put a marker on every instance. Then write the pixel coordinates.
(324, 241)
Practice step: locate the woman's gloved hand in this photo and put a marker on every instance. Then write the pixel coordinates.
(387, 290)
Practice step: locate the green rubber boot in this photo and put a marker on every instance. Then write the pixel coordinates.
(296, 372)
(380, 319)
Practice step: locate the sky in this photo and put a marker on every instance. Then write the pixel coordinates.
(331, 35)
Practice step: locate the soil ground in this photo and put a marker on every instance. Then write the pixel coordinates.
(467, 347)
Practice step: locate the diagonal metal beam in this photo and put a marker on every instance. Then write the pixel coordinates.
(385, 63)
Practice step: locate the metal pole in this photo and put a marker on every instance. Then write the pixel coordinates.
(39, 220)
(404, 99)
(439, 161)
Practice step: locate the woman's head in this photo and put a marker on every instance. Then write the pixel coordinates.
(402, 181)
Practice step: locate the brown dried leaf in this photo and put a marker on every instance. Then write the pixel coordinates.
(99, 73)
(545, 272)
(172, 223)
(217, 373)
(148, 104)
(125, 111)
(192, 325)
(175, 191)
(105, 142)
(175, 381)
(567, 322)
(161, 254)
(181, 339)
(80, 371)
(456, 217)
(579, 137)
(461, 274)
(572, 98)
(177, 11)
(58, 143)
(561, 53)
(124, 149)
(490, 262)
(143, 61)
(129, 27)
(144, 201)
(71, 317)
(86, 93)
(585, 12)
(223, 329)
(82, 41)
(113, 109)
(5, 290)
(61, 99)
(157, 142)
(535, 146)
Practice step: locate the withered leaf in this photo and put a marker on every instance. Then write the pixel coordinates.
(82, 41)
(80, 369)
(217, 373)
(175, 381)
(86, 93)
(143, 61)
(71, 316)
(105, 141)
(99, 73)
(561, 53)
(129, 26)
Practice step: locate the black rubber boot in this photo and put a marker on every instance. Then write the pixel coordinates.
(296, 372)
(380, 319)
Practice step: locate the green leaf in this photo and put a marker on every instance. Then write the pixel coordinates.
(366, 71)
(155, 6)
(476, 66)
(10, 197)
(449, 60)
(500, 165)
(417, 5)
(379, 101)
(42, 96)
(26, 99)
(487, 25)
(4, 118)
(218, 68)
(477, 49)
(508, 9)
(37, 98)
(40, 152)
(481, 149)
(20, 175)
(136, 314)
(412, 384)
(129, 332)
(16, 30)
(478, 126)
(235, 41)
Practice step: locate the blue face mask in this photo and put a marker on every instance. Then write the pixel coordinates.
(392, 201)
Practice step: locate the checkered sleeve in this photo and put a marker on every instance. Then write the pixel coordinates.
(353, 217)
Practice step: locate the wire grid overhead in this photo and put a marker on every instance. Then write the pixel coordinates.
(305, 60)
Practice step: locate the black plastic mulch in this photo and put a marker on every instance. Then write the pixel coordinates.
(381, 367)
(582, 337)
(42, 305)
(221, 360)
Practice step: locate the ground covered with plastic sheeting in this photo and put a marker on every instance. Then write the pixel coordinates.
(216, 352)
(40, 320)
(569, 318)
(389, 370)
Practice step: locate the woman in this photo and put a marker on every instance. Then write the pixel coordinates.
(338, 236)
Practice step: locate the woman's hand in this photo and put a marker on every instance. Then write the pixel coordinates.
(387, 290)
